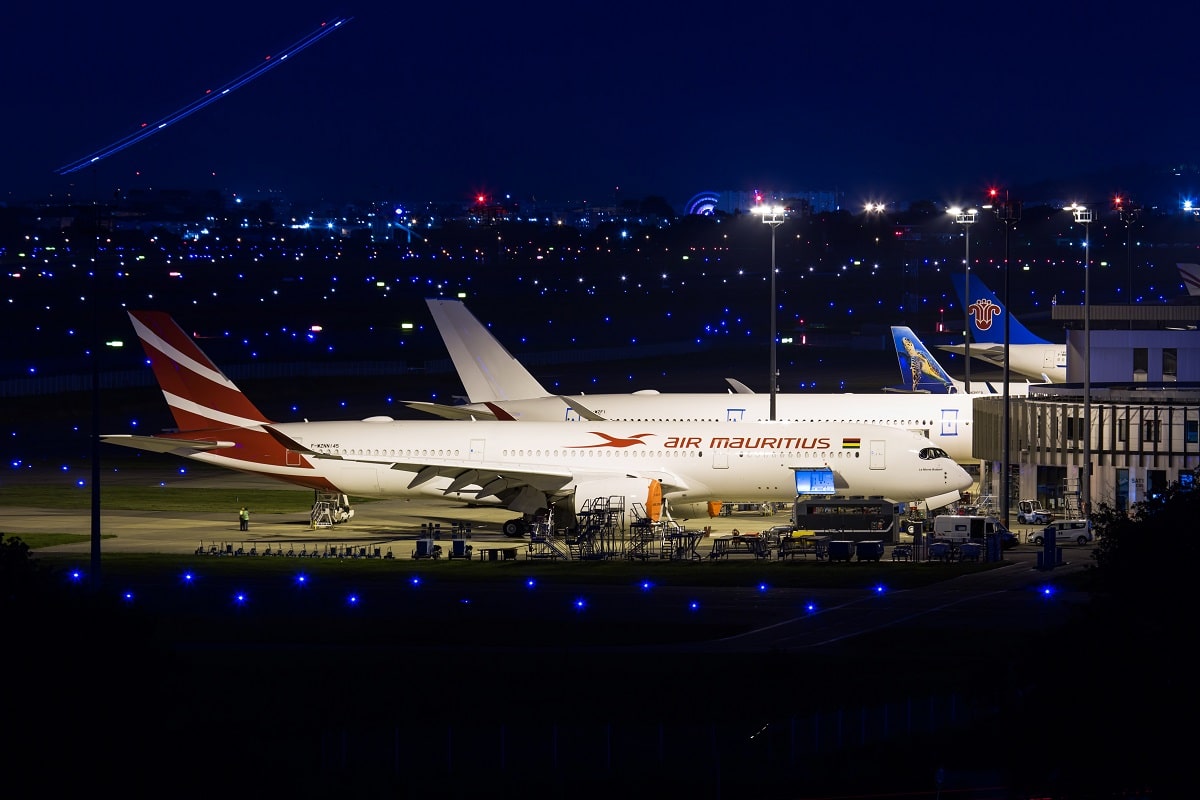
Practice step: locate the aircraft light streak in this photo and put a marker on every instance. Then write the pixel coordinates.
(210, 96)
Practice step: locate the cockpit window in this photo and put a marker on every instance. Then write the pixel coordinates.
(931, 453)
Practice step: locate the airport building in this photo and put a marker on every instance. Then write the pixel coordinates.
(1143, 423)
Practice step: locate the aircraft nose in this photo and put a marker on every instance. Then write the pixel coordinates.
(958, 478)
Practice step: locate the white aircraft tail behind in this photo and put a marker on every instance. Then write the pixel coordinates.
(487, 370)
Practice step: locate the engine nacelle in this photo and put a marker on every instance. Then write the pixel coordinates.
(630, 498)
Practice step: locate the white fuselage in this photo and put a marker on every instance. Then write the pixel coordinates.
(1030, 360)
(696, 462)
(945, 419)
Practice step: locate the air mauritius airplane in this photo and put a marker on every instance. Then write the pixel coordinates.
(499, 387)
(1030, 355)
(532, 467)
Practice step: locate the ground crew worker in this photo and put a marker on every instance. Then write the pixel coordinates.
(244, 519)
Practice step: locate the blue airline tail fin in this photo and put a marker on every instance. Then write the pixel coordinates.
(919, 370)
(987, 315)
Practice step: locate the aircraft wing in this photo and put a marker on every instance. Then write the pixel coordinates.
(451, 412)
(162, 444)
(502, 481)
(738, 386)
(991, 353)
(583, 411)
(490, 410)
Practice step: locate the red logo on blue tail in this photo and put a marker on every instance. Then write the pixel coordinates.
(983, 312)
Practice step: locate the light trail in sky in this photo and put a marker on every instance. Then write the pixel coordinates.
(211, 96)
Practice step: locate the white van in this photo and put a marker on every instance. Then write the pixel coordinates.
(1078, 531)
(960, 528)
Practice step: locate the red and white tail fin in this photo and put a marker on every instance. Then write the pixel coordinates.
(1190, 275)
(198, 393)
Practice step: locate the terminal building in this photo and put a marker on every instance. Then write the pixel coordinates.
(1142, 423)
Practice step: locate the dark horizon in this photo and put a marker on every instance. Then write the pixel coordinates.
(874, 102)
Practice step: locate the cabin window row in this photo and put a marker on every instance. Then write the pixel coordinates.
(584, 453)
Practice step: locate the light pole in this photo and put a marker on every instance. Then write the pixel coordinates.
(773, 216)
(1128, 212)
(1007, 212)
(965, 218)
(1084, 215)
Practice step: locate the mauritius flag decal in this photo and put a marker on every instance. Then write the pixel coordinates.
(850, 444)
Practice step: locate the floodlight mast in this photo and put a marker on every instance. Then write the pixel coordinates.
(1007, 211)
(1084, 215)
(773, 216)
(966, 218)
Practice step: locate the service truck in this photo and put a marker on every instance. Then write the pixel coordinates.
(962, 528)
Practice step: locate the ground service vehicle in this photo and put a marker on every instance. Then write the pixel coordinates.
(962, 528)
(1078, 531)
(1030, 512)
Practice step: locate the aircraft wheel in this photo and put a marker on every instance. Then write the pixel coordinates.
(513, 528)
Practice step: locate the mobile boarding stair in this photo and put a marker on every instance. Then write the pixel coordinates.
(599, 523)
(545, 542)
(646, 536)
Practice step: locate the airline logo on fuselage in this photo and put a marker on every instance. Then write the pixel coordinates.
(715, 443)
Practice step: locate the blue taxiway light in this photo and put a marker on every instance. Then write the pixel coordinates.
(694, 605)
(580, 603)
(415, 580)
(810, 607)
(352, 600)
(646, 586)
(880, 588)
(762, 587)
(530, 583)
(127, 596)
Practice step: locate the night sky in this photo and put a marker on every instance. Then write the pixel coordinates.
(579, 101)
